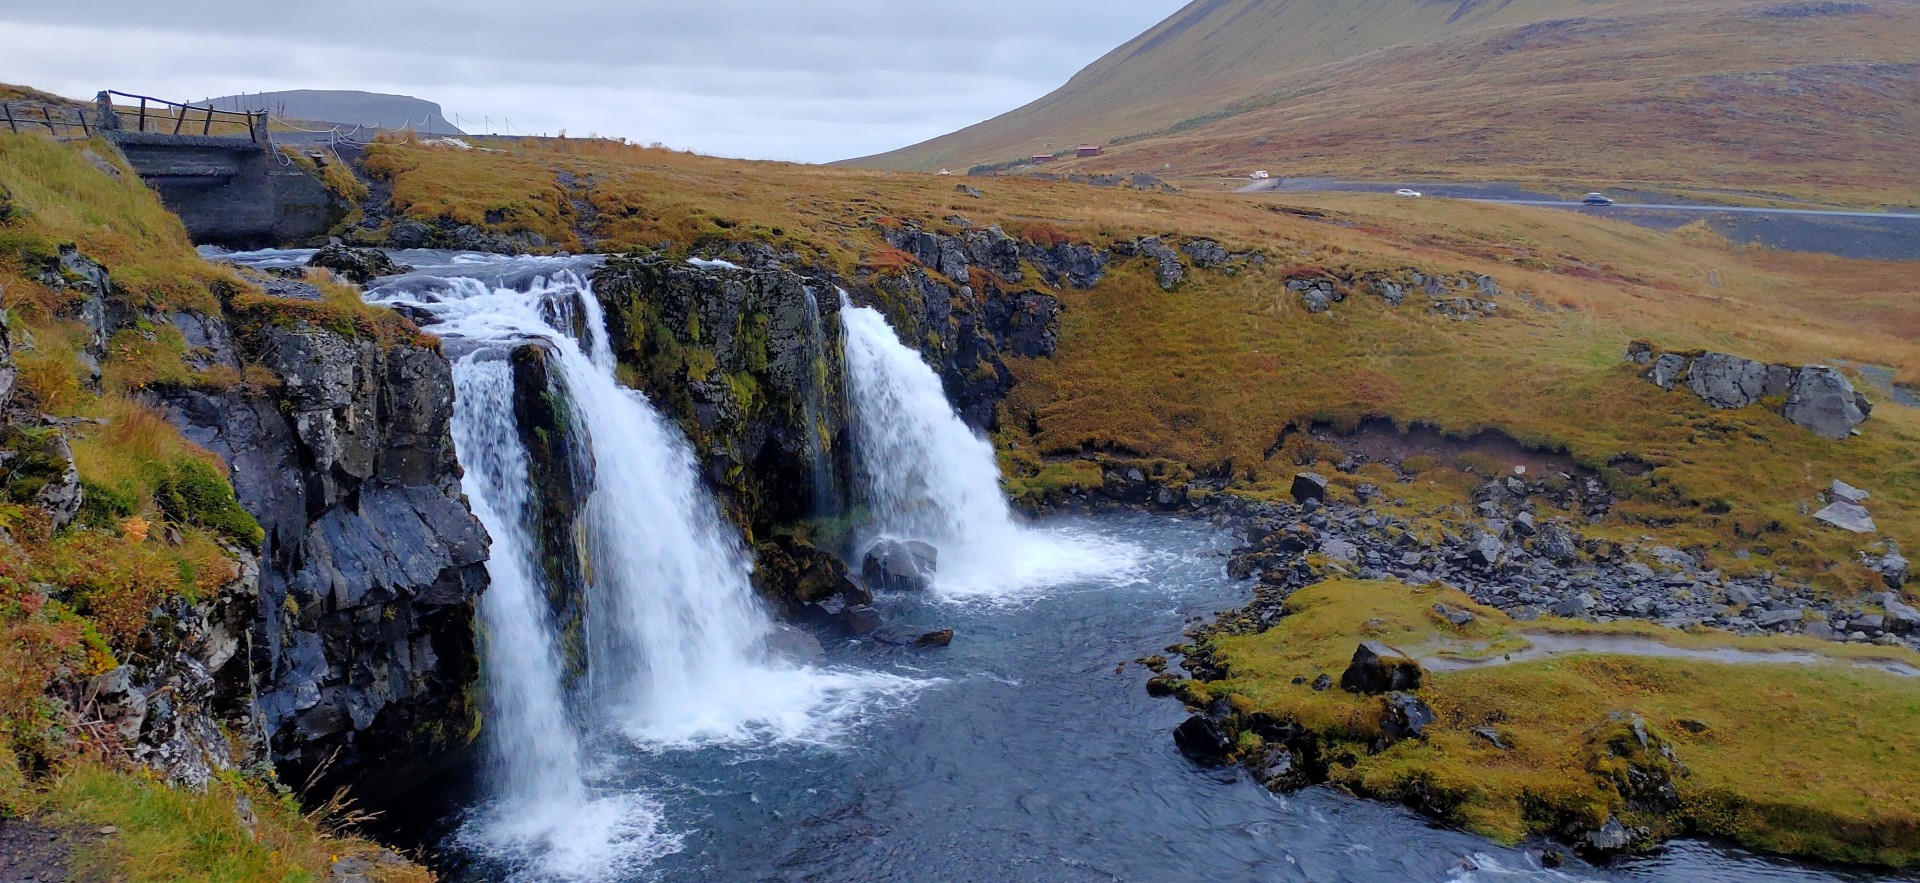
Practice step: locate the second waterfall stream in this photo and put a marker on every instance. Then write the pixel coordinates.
(932, 478)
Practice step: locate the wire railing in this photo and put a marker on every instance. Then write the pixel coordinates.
(56, 119)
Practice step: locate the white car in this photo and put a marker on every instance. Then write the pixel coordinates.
(1260, 176)
(1415, 194)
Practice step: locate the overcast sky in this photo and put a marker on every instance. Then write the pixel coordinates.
(810, 80)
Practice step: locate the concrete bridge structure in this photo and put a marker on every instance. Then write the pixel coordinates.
(218, 170)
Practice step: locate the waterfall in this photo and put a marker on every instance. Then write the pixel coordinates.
(533, 742)
(931, 478)
(677, 648)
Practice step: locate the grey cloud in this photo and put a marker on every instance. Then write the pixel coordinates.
(808, 81)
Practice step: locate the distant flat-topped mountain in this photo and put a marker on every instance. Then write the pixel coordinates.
(371, 109)
(1797, 95)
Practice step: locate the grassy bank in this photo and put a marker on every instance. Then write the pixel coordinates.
(158, 520)
(1792, 759)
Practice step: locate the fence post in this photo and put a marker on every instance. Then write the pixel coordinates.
(143, 114)
(82, 114)
(207, 129)
(48, 114)
(8, 109)
(109, 120)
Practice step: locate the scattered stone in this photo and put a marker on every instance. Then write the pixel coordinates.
(1485, 551)
(968, 191)
(1167, 267)
(1901, 615)
(1611, 837)
(1378, 668)
(1453, 615)
(1771, 618)
(1323, 683)
(1667, 371)
(1576, 606)
(1847, 516)
(1893, 568)
(1847, 493)
(1492, 737)
(1309, 486)
(1406, 717)
(1558, 544)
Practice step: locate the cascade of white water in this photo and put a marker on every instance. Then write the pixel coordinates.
(931, 478)
(676, 638)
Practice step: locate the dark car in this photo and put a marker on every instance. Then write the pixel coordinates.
(1596, 199)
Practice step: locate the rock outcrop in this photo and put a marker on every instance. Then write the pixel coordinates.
(362, 640)
(1818, 398)
(1823, 400)
(750, 362)
(561, 470)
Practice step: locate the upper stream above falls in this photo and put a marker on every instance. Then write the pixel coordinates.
(688, 749)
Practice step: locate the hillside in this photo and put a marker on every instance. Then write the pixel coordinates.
(1804, 99)
(1459, 377)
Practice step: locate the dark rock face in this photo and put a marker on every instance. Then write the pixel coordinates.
(8, 373)
(1378, 668)
(750, 362)
(560, 467)
(358, 265)
(363, 643)
(167, 704)
(900, 566)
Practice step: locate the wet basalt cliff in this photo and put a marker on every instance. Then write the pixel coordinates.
(362, 640)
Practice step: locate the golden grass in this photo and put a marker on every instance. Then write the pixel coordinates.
(170, 835)
(1209, 375)
(1795, 759)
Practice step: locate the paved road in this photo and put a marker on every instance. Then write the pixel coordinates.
(1715, 209)
(1507, 194)
(1886, 235)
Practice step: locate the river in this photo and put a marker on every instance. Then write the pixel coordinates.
(1028, 750)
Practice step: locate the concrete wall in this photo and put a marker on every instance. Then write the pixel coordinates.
(232, 192)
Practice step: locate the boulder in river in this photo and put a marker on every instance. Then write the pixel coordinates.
(1378, 668)
(359, 265)
(900, 565)
(1204, 739)
(908, 636)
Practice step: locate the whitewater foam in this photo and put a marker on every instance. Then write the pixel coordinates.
(931, 478)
